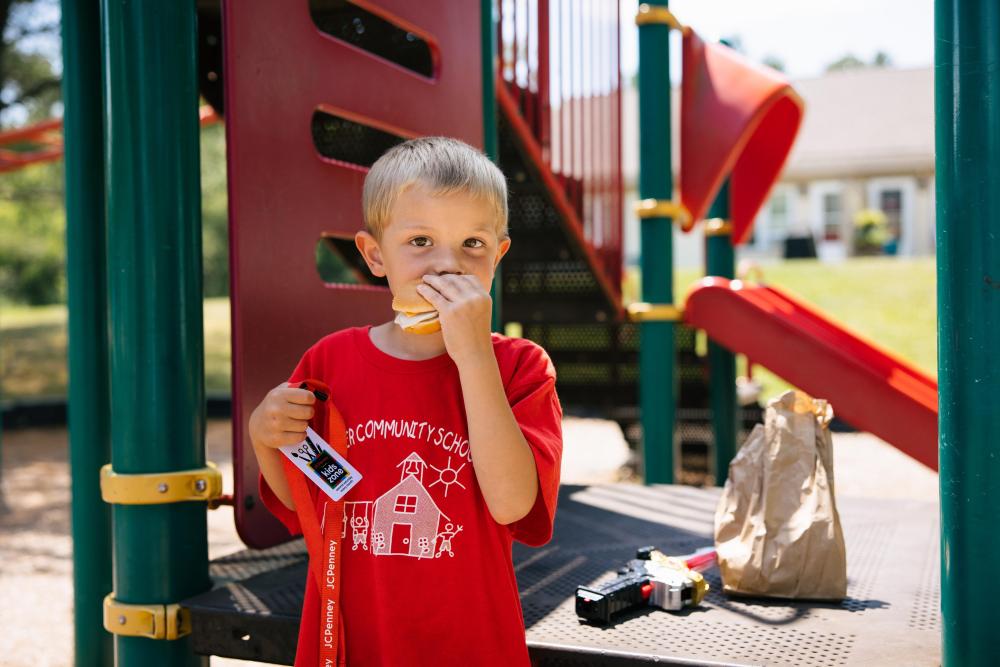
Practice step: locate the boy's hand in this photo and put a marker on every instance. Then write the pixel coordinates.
(465, 310)
(282, 417)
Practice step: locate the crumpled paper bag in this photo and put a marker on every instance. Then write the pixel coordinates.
(777, 531)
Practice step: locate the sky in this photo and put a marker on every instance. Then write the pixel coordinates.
(806, 35)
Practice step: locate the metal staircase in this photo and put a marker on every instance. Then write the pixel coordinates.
(560, 147)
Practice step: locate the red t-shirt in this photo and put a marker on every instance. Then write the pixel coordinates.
(426, 571)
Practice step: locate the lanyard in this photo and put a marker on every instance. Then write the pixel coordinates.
(323, 539)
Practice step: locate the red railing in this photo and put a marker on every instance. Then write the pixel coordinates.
(43, 141)
(559, 62)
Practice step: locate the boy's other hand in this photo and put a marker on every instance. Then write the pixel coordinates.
(465, 310)
(282, 417)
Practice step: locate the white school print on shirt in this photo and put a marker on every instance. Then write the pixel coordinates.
(405, 520)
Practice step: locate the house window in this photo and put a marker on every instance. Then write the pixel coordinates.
(406, 504)
(778, 218)
(891, 203)
(832, 214)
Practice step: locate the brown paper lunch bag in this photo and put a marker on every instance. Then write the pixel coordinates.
(777, 531)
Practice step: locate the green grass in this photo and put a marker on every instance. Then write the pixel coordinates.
(889, 301)
(33, 350)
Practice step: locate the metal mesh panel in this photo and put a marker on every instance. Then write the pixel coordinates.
(628, 337)
(572, 337)
(548, 278)
(629, 373)
(545, 275)
(369, 32)
(892, 560)
(531, 208)
(583, 374)
(727, 628)
(249, 562)
(210, 70)
(341, 139)
(926, 611)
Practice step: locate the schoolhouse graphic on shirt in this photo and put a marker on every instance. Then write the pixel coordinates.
(405, 520)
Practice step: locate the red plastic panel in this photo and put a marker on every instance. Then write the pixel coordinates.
(279, 69)
(868, 387)
(738, 119)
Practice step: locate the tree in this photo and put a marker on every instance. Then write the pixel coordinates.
(850, 61)
(882, 59)
(32, 235)
(774, 62)
(32, 243)
(29, 84)
(735, 42)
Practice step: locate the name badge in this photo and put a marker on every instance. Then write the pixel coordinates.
(323, 465)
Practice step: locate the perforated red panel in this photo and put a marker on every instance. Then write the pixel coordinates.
(283, 196)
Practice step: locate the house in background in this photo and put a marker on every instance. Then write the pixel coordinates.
(867, 142)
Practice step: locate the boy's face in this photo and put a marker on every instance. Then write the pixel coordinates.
(434, 234)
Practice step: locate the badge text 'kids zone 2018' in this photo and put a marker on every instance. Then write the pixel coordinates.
(323, 465)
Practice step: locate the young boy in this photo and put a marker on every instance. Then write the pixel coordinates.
(456, 433)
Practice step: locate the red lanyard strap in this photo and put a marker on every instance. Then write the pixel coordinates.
(323, 539)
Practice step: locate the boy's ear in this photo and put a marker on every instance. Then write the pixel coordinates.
(501, 251)
(368, 247)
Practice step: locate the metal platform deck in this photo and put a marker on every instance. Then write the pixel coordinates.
(890, 616)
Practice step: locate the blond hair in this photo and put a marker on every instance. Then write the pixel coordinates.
(443, 165)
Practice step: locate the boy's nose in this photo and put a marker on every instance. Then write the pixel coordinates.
(447, 261)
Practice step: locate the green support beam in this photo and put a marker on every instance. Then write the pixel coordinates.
(720, 260)
(487, 31)
(89, 403)
(155, 300)
(967, 91)
(657, 368)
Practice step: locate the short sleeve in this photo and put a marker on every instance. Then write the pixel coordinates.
(533, 400)
(303, 370)
(286, 516)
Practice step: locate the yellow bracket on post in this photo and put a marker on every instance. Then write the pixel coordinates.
(718, 227)
(664, 208)
(153, 621)
(657, 15)
(161, 487)
(641, 311)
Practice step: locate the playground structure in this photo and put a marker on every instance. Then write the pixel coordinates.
(559, 283)
(42, 142)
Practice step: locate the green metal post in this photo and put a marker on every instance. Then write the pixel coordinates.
(720, 261)
(155, 299)
(967, 91)
(489, 55)
(89, 402)
(487, 30)
(657, 370)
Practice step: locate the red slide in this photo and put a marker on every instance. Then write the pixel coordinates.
(867, 386)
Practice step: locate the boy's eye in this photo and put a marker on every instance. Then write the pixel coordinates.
(420, 241)
(474, 241)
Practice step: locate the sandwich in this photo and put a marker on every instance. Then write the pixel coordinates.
(414, 314)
